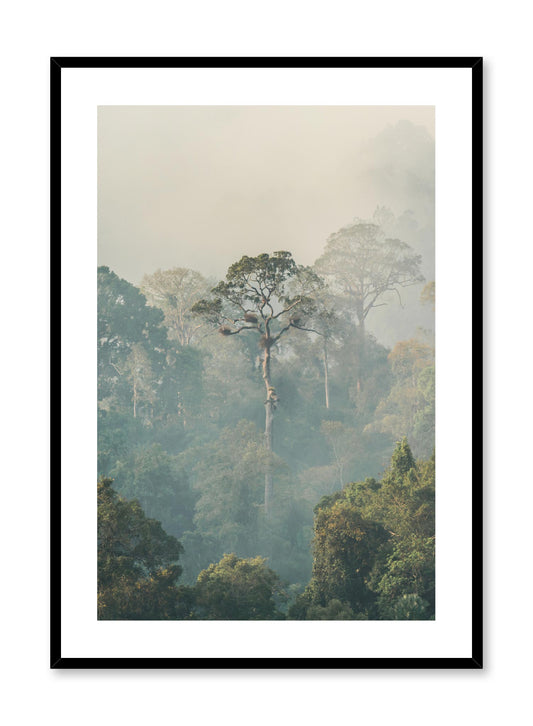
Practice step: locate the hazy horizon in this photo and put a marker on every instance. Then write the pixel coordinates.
(198, 187)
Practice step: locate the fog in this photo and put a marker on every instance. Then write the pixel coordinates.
(295, 399)
(200, 186)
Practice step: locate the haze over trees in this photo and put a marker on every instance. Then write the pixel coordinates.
(261, 454)
(175, 292)
(362, 267)
(266, 362)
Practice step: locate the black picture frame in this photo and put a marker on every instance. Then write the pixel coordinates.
(57, 660)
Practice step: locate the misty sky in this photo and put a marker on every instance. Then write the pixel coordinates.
(199, 187)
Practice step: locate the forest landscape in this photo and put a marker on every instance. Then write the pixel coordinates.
(266, 363)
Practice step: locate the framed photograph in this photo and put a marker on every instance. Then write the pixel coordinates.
(267, 373)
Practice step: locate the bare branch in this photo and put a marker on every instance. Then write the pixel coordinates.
(399, 296)
(281, 332)
(243, 327)
(308, 330)
(286, 310)
(114, 366)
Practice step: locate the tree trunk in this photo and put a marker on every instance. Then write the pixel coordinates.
(269, 421)
(326, 382)
(269, 489)
(360, 353)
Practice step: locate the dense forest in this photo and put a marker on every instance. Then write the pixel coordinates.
(261, 455)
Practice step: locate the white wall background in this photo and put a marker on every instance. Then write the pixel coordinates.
(30, 32)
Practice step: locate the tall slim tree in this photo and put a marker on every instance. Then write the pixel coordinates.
(328, 326)
(266, 296)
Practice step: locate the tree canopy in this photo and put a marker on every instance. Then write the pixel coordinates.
(374, 545)
(175, 292)
(192, 379)
(137, 561)
(363, 265)
(238, 589)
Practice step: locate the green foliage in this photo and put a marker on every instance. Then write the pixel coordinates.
(229, 476)
(402, 460)
(160, 484)
(334, 610)
(180, 424)
(124, 317)
(424, 418)
(232, 388)
(345, 544)
(375, 371)
(406, 506)
(327, 501)
(137, 561)
(407, 569)
(405, 501)
(407, 607)
(131, 342)
(200, 551)
(211, 310)
(238, 589)
(268, 294)
(180, 389)
(263, 272)
(374, 545)
(286, 537)
(118, 434)
(409, 408)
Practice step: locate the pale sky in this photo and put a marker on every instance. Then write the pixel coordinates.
(198, 187)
